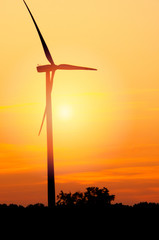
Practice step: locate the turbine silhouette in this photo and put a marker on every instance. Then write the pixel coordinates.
(52, 67)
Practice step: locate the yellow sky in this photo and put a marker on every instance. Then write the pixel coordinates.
(105, 123)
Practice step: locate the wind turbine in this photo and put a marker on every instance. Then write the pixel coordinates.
(52, 67)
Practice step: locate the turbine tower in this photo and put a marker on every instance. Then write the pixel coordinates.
(51, 68)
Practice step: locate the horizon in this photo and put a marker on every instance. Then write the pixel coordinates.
(105, 123)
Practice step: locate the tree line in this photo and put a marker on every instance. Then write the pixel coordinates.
(93, 197)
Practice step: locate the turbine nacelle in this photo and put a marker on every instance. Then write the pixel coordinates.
(53, 67)
(46, 68)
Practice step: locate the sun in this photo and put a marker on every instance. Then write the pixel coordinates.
(65, 112)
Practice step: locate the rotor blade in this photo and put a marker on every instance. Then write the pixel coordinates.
(52, 76)
(42, 122)
(46, 50)
(72, 67)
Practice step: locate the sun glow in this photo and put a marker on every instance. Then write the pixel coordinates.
(65, 112)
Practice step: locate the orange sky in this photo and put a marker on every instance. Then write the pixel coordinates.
(105, 123)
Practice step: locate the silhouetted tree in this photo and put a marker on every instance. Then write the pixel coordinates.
(93, 196)
(98, 197)
(13, 206)
(69, 199)
(37, 205)
(146, 205)
(3, 206)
